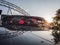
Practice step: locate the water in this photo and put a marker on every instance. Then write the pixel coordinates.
(29, 38)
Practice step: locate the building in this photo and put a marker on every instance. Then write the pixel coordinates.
(43, 24)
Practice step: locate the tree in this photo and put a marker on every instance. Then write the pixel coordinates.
(56, 29)
(56, 19)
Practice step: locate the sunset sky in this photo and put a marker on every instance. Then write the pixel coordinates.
(41, 8)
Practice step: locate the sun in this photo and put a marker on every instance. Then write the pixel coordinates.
(48, 19)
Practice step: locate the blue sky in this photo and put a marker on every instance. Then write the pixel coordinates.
(41, 8)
